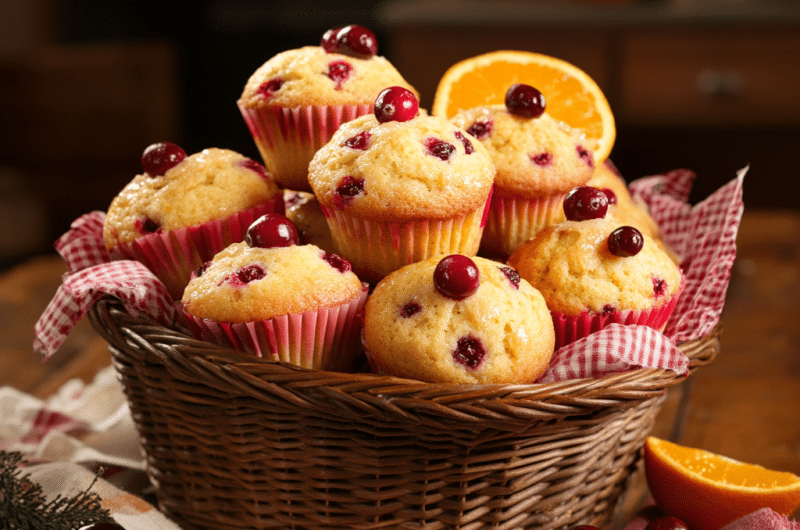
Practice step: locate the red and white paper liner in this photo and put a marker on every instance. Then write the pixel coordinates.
(172, 255)
(288, 138)
(514, 220)
(376, 248)
(325, 339)
(570, 328)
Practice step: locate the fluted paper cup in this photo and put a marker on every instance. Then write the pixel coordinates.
(514, 220)
(376, 248)
(326, 339)
(570, 328)
(288, 138)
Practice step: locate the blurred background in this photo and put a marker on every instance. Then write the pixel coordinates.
(85, 86)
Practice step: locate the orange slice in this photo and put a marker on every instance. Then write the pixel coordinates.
(571, 96)
(708, 491)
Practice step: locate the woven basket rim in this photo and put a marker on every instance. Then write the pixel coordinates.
(231, 371)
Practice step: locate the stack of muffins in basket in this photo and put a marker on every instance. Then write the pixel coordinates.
(463, 249)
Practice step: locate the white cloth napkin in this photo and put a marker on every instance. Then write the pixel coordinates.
(80, 431)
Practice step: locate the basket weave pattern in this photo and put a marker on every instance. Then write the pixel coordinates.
(233, 442)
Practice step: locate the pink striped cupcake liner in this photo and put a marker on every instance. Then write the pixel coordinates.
(173, 255)
(288, 138)
(376, 248)
(326, 339)
(570, 328)
(514, 220)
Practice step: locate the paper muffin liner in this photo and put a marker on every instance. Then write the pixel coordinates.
(570, 328)
(172, 255)
(326, 339)
(287, 138)
(376, 248)
(514, 220)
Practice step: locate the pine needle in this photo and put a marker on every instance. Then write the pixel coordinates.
(23, 506)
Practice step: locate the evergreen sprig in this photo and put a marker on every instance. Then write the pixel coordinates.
(23, 506)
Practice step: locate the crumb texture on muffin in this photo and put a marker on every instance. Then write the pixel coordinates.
(411, 330)
(245, 284)
(417, 169)
(572, 267)
(311, 76)
(534, 157)
(212, 184)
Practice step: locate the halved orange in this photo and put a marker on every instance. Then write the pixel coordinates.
(708, 491)
(571, 96)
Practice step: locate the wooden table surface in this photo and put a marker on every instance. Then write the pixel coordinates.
(744, 405)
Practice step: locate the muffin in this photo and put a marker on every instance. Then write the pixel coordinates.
(296, 100)
(397, 187)
(457, 319)
(538, 160)
(593, 272)
(182, 210)
(279, 300)
(304, 211)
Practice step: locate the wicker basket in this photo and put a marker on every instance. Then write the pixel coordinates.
(233, 442)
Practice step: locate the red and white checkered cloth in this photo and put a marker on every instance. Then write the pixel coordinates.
(704, 236)
(91, 275)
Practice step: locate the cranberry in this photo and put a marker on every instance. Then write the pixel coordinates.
(584, 527)
(396, 104)
(410, 309)
(625, 241)
(339, 72)
(456, 277)
(358, 141)
(249, 273)
(468, 147)
(147, 226)
(607, 310)
(524, 100)
(542, 159)
(272, 230)
(252, 165)
(329, 38)
(353, 40)
(481, 129)
(160, 157)
(439, 148)
(337, 262)
(586, 155)
(469, 351)
(659, 287)
(612, 197)
(268, 88)
(512, 275)
(584, 203)
(347, 190)
(667, 522)
(102, 525)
